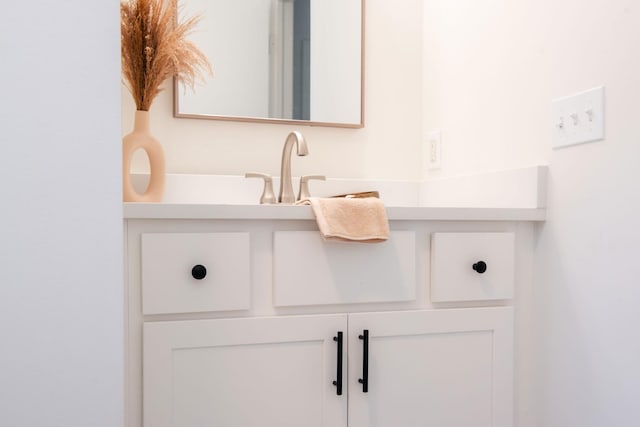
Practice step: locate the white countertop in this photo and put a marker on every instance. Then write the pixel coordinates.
(289, 212)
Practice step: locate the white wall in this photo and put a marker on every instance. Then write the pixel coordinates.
(491, 71)
(386, 148)
(61, 332)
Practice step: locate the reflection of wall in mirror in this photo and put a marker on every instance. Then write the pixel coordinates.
(237, 54)
(335, 69)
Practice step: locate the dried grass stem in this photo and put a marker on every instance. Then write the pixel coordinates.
(155, 47)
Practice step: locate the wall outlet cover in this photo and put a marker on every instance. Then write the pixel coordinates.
(434, 150)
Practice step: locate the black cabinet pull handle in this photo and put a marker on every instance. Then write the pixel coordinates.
(338, 381)
(480, 267)
(199, 272)
(365, 361)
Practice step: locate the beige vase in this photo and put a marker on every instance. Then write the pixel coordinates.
(141, 138)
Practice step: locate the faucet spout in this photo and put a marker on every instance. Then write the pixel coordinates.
(286, 186)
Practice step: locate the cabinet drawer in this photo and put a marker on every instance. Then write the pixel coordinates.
(309, 271)
(171, 285)
(472, 266)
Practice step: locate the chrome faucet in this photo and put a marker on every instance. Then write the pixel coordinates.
(286, 186)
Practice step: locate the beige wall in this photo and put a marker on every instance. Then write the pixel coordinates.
(486, 83)
(387, 148)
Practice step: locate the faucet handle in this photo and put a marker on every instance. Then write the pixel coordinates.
(268, 197)
(304, 185)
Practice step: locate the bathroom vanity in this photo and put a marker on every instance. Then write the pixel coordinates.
(244, 316)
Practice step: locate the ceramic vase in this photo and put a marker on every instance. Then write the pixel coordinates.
(141, 138)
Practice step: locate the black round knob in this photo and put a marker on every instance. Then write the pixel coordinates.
(480, 267)
(199, 272)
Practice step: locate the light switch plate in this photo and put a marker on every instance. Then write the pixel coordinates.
(578, 118)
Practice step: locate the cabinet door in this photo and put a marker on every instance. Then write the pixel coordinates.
(243, 372)
(440, 368)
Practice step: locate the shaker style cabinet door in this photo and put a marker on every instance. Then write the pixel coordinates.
(244, 372)
(450, 368)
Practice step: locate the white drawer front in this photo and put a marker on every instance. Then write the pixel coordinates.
(309, 271)
(453, 256)
(169, 285)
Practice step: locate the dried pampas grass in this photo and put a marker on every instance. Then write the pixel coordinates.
(155, 47)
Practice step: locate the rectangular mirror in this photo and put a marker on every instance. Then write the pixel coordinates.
(282, 61)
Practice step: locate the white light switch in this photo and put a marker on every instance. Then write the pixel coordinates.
(578, 118)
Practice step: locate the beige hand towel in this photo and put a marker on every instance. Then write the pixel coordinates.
(350, 219)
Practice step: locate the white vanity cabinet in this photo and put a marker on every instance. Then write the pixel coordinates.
(421, 338)
(426, 367)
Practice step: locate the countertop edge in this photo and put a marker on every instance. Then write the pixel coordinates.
(289, 212)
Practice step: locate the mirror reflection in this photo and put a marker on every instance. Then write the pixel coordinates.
(278, 60)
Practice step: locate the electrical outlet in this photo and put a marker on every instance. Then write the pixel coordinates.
(434, 150)
(578, 118)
